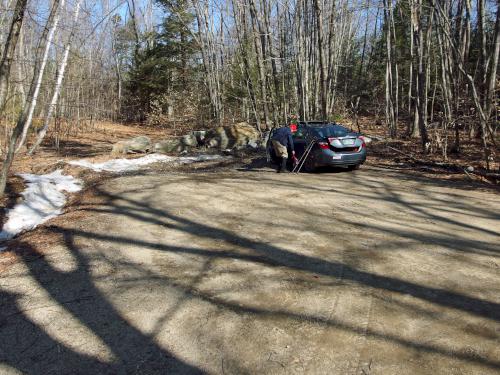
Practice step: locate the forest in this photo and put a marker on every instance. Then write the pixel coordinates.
(166, 209)
(426, 70)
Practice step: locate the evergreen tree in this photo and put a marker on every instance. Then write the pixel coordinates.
(166, 68)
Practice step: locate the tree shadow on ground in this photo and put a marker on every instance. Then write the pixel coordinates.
(36, 352)
(28, 348)
(260, 164)
(257, 163)
(267, 252)
(79, 149)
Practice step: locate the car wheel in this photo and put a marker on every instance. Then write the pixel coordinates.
(308, 166)
(354, 167)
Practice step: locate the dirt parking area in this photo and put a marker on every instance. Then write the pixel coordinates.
(235, 272)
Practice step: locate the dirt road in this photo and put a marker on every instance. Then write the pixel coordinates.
(233, 272)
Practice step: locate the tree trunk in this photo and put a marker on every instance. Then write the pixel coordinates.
(322, 68)
(27, 113)
(137, 42)
(492, 76)
(45, 44)
(483, 61)
(421, 96)
(8, 56)
(59, 79)
(260, 49)
(389, 96)
(242, 36)
(483, 120)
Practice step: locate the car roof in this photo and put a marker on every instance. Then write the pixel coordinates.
(322, 124)
(315, 123)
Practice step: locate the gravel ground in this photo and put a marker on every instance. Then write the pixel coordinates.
(249, 271)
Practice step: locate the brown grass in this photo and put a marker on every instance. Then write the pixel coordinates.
(470, 154)
(94, 143)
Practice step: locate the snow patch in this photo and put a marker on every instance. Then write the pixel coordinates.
(43, 200)
(197, 158)
(124, 165)
(44, 197)
(120, 165)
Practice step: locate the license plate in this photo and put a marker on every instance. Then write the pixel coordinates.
(348, 142)
(337, 157)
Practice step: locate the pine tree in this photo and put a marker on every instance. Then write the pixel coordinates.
(166, 67)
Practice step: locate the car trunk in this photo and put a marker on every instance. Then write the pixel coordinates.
(345, 144)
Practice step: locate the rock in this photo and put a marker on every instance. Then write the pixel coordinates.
(235, 136)
(169, 146)
(137, 144)
(469, 169)
(140, 144)
(253, 144)
(119, 148)
(189, 140)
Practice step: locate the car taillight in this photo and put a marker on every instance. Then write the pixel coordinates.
(363, 144)
(323, 145)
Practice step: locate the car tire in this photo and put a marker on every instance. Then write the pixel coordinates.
(354, 167)
(308, 166)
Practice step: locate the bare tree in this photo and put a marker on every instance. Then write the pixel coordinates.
(43, 48)
(322, 66)
(24, 121)
(8, 55)
(482, 107)
(206, 38)
(58, 83)
(390, 100)
(492, 74)
(421, 91)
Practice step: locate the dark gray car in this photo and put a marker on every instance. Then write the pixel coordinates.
(334, 145)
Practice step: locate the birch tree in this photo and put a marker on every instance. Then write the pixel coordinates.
(58, 83)
(322, 66)
(24, 121)
(390, 99)
(44, 47)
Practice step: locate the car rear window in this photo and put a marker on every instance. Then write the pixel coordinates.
(331, 131)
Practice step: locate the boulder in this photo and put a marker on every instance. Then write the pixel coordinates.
(235, 136)
(169, 146)
(119, 148)
(137, 144)
(189, 140)
(217, 138)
